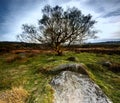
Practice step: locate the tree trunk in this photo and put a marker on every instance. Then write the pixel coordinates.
(59, 51)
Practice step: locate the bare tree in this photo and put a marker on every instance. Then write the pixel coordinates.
(58, 27)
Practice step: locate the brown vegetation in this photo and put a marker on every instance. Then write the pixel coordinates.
(98, 50)
(15, 95)
(33, 49)
(115, 67)
(12, 58)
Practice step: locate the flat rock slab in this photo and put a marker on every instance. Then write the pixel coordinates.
(71, 87)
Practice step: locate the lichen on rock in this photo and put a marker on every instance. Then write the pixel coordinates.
(73, 87)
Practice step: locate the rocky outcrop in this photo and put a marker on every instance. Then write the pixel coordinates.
(72, 87)
(74, 67)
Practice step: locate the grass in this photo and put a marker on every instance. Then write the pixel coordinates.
(30, 73)
(15, 95)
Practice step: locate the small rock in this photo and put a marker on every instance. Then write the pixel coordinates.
(73, 59)
(107, 64)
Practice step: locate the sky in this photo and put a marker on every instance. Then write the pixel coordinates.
(14, 13)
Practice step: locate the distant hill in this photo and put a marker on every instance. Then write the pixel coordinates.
(108, 42)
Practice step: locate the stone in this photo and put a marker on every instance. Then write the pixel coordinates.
(107, 64)
(74, 67)
(71, 87)
(74, 59)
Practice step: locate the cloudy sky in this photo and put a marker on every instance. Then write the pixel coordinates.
(14, 13)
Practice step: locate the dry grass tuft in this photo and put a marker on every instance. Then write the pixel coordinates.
(2, 101)
(21, 57)
(12, 58)
(15, 95)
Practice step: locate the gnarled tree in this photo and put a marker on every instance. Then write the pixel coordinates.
(58, 27)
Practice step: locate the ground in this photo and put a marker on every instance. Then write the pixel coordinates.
(31, 72)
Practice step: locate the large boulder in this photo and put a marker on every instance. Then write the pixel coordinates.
(71, 87)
